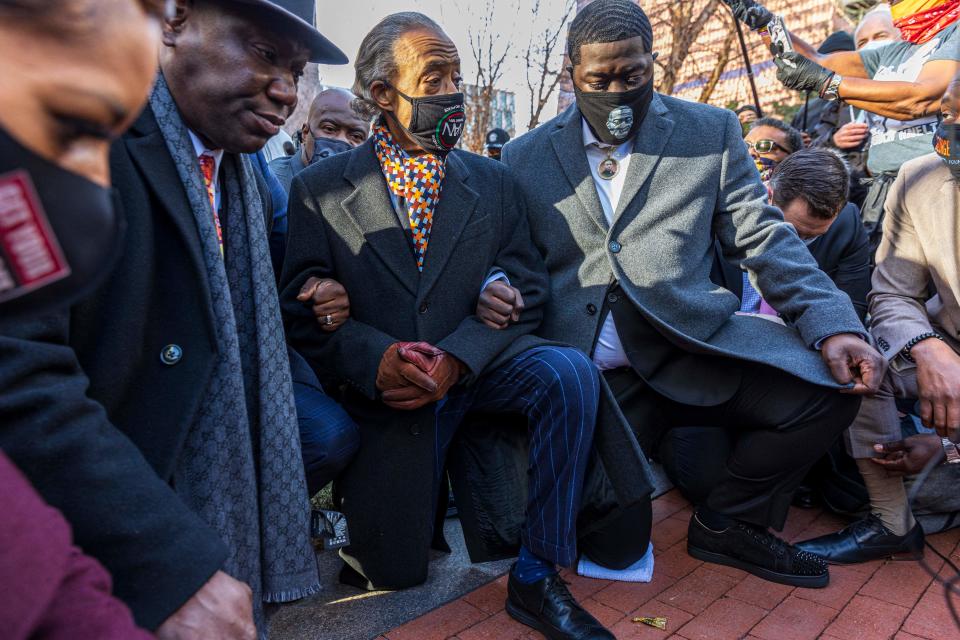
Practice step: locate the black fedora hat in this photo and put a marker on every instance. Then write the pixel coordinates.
(300, 15)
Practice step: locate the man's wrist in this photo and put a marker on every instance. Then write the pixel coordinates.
(950, 451)
(831, 88)
(921, 346)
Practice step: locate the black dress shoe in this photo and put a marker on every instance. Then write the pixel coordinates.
(757, 551)
(866, 540)
(549, 607)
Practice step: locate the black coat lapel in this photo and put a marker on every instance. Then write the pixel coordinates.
(567, 142)
(457, 203)
(148, 149)
(372, 212)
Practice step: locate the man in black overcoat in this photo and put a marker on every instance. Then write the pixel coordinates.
(157, 415)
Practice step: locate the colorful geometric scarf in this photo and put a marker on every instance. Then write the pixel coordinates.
(920, 21)
(416, 180)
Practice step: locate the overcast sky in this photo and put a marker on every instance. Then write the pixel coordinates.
(347, 21)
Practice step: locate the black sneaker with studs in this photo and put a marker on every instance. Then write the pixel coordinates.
(755, 550)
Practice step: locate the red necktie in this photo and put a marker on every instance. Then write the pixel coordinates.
(208, 166)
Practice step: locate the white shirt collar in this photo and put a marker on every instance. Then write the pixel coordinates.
(200, 149)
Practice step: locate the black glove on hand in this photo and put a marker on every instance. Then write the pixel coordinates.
(801, 74)
(750, 13)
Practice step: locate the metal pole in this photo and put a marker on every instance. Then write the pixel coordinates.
(806, 109)
(746, 61)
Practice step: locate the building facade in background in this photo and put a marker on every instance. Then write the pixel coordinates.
(499, 111)
(716, 52)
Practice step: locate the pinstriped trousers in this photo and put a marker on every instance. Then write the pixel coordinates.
(558, 390)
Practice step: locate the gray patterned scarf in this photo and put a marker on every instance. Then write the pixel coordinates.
(241, 468)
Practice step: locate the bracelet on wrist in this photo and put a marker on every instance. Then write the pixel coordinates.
(950, 451)
(905, 352)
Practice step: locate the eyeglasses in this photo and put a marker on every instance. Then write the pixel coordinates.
(766, 146)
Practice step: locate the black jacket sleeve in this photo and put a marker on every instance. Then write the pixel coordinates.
(122, 513)
(843, 253)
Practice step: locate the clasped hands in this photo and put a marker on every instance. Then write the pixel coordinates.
(938, 383)
(414, 374)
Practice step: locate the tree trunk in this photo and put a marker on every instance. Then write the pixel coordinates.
(723, 60)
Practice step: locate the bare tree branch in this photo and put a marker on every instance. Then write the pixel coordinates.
(543, 70)
(724, 55)
(686, 21)
(489, 51)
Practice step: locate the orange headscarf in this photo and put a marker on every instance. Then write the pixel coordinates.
(920, 20)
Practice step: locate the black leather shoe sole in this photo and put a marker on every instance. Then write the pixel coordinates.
(523, 616)
(869, 556)
(807, 582)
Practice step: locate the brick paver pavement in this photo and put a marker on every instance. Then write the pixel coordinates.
(708, 602)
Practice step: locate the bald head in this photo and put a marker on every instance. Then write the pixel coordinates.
(333, 116)
(876, 26)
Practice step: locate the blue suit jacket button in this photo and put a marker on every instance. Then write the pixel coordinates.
(171, 354)
(615, 247)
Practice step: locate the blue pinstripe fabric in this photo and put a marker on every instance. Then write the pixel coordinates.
(557, 389)
(751, 297)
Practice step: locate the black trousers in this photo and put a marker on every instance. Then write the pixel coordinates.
(781, 424)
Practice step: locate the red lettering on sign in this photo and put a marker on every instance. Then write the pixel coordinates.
(33, 255)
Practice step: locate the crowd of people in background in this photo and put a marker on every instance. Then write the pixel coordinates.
(206, 323)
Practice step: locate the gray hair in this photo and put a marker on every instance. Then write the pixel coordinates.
(376, 60)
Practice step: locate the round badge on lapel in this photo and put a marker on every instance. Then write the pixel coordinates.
(171, 354)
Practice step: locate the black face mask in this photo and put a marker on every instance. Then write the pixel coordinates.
(436, 123)
(326, 147)
(946, 142)
(614, 117)
(59, 233)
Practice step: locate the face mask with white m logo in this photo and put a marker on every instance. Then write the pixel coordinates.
(437, 122)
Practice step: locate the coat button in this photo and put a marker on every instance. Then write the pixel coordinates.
(591, 308)
(613, 298)
(415, 430)
(615, 247)
(424, 307)
(171, 355)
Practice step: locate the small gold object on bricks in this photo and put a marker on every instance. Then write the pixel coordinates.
(656, 623)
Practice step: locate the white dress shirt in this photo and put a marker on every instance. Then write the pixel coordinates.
(609, 353)
(217, 155)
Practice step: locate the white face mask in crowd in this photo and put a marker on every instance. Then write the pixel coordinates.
(875, 44)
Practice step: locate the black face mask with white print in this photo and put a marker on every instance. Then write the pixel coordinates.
(614, 116)
(436, 122)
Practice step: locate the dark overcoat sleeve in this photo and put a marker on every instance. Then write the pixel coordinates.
(473, 342)
(122, 513)
(356, 348)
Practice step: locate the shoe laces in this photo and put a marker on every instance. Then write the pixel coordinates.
(870, 523)
(559, 592)
(801, 562)
(765, 538)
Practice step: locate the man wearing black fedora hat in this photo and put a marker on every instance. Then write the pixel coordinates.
(158, 414)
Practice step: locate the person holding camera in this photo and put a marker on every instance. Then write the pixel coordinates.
(900, 84)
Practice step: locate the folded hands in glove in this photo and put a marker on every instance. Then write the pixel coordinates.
(414, 374)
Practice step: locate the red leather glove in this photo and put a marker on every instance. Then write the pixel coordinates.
(396, 373)
(439, 366)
